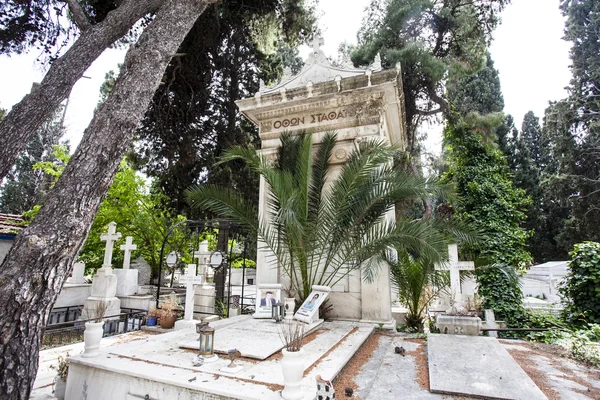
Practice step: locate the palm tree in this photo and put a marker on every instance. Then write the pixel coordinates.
(319, 232)
(418, 283)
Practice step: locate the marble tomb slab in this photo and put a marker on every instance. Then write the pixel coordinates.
(477, 366)
(158, 367)
(254, 338)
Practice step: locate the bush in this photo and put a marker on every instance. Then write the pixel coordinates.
(581, 288)
(499, 287)
(239, 263)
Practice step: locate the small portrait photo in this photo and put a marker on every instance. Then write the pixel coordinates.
(267, 298)
(312, 303)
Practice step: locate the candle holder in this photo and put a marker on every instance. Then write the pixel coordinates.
(207, 341)
(278, 312)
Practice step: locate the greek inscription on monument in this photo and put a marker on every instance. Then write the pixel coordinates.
(315, 118)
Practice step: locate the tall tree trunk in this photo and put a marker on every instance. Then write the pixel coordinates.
(36, 267)
(29, 114)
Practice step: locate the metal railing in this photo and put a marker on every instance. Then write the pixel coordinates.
(71, 331)
(60, 315)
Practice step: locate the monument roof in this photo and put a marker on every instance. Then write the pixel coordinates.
(317, 69)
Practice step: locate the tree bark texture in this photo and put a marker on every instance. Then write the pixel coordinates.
(37, 265)
(34, 109)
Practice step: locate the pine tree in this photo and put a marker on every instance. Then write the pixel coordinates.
(25, 187)
(573, 170)
(192, 121)
(432, 40)
(559, 152)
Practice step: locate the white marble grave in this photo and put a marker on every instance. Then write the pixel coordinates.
(77, 274)
(543, 280)
(127, 278)
(159, 369)
(254, 338)
(75, 291)
(359, 104)
(104, 283)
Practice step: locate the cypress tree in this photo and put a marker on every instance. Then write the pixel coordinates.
(487, 199)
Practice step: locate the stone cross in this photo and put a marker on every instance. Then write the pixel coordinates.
(455, 267)
(110, 238)
(316, 43)
(202, 254)
(128, 247)
(190, 280)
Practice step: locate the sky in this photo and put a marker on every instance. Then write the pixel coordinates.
(528, 51)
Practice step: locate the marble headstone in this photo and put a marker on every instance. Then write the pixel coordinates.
(77, 274)
(144, 270)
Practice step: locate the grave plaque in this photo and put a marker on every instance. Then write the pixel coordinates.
(267, 295)
(309, 310)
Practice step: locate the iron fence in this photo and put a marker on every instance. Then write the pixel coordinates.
(70, 330)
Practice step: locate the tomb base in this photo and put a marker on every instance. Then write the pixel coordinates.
(458, 325)
(73, 295)
(387, 325)
(104, 283)
(137, 301)
(127, 281)
(89, 309)
(185, 324)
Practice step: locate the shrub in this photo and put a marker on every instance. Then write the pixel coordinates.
(581, 288)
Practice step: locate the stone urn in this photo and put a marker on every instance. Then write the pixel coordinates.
(290, 305)
(292, 366)
(60, 386)
(91, 336)
(167, 321)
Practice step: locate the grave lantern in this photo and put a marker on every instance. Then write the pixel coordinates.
(278, 311)
(207, 340)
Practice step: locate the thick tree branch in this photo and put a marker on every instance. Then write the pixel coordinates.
(81, 20)
(29, 114)
(38, 263)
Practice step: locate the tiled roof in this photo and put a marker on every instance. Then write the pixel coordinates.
(11, 224)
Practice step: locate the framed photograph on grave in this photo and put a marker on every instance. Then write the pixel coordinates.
(309, 310)
(267, 295)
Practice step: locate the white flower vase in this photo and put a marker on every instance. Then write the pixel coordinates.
(290, 305)
(60, 386)
(292, 366)
(91, 337)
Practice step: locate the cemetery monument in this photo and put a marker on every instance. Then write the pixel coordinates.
(359, 104)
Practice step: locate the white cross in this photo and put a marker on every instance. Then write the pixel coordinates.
(455, 267)
(110, 238)
(317, 42)
(202, 253)
(190, 279)
(128, 247)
